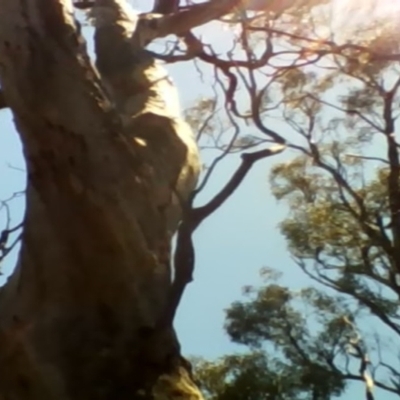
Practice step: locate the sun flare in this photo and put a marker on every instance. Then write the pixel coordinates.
(354, 17)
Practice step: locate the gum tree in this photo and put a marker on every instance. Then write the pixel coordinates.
(111, 167)
(88, 311)
(341, 188)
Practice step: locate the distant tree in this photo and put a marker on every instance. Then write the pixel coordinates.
(292, 340)
(343, 230)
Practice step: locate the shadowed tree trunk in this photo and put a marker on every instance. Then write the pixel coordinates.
(79, 315)
(83, 315)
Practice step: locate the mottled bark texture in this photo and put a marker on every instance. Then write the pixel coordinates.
(78, 318)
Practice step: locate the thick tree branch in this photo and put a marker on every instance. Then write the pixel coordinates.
(165, 6)
(3, 103)
(332, 47)
(179, 22)
(199, 14)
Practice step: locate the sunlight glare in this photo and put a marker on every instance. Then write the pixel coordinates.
(353, 14)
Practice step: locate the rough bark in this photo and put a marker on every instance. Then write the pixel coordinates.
(78, 318)
(88, 312)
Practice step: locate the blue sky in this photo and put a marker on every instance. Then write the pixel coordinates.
(231, 246)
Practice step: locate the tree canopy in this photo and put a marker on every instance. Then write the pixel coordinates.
(341, 187)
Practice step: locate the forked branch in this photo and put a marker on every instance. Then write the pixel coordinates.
(248, 160)
(184, 259)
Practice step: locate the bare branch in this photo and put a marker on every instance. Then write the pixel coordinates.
(248, 160)
(347, 111)
(225, 152)
(5, 234)
(362, 355)
(184, 258)
(364, 300)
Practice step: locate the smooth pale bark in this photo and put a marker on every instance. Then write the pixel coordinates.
(77, 317)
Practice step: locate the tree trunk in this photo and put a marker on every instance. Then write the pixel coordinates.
(78, 318)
